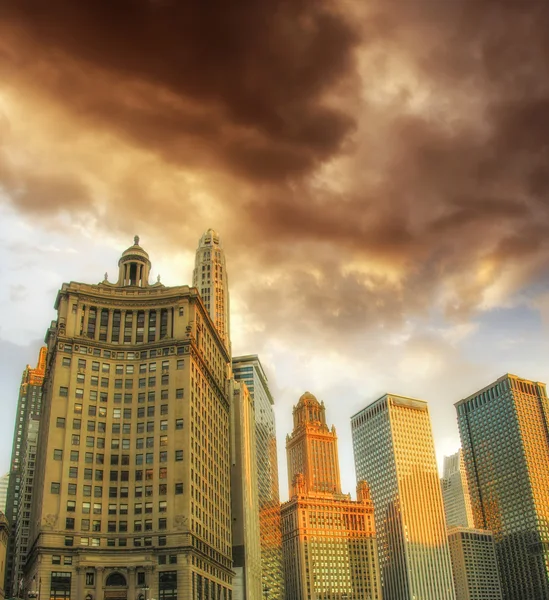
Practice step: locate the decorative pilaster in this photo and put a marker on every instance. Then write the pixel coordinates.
(99, 572)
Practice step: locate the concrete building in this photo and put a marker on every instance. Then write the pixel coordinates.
(248, 369)
(505, 439)
(23, 519)
(329, 541)
(4, 538)
(29, 405)
(211, 280)
(132, 481)
(244, 498)
(455, 492)
(394, 451)
(474, 564)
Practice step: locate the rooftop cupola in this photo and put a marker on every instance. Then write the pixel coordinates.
(134, 266)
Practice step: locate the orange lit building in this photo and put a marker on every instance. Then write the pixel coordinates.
(18, 502)
(394, 451)
(504, 430)
(329, 542)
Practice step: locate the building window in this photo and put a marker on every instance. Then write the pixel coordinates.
(55, 487)
(58, 454)
(64, 391)
(60, 586)
(179, 488)
(60, 422)
(90, 579)
(179, 455)
(179, 393)
(167, 585)
(179, 423)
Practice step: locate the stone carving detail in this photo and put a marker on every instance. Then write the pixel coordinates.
(49, 522)
(181, 522)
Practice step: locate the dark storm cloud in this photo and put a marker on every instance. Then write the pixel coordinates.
(246, 79)
(410, 135)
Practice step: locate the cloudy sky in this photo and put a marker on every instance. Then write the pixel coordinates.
(378, 172)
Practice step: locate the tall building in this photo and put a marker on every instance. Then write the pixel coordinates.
(455, 492)
(4, 484)
(329, 540)
(394, 451)
(504, 432)
(29, 406)
(249, 370)
(474, 564)
(23, 519)
(210, 278)
(132, 482)
(244, 498)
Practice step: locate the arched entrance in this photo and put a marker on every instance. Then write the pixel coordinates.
(116, 587)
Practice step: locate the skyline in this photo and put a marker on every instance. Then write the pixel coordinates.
(377, 172)
(282, 407)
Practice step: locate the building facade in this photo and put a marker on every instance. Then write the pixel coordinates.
(329, 540)
(474, 564)
(248, 369)
(211, 280)
(244, 497)
(455, 492)
(29, 404)
(505, 438)
(132, 481)
(394, 451)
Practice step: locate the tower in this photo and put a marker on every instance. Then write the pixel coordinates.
(248, 369)
(312, 449)
(505, 438)
(28, 411)
(210, 278)
(455, 492)
(132, 478)
(329, 540)
(394, 451)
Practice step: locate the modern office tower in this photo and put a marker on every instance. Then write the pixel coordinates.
(132, 481)
(22, 521)
(244, 498)
(505, 439)
(210, 278)
(455, 492)
(474, 564)
(4, 537)
(330, 549)
(395, 453)
(4, 484)
(29, 406)
(249, 370)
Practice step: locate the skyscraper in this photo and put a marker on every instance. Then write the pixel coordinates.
(132, 481)
(244, 497)
(210, 278)
(474, 564)
(455, 492)
(505, 438)
(249, 370)
(29, 405)
(394, 451)
(330, 549)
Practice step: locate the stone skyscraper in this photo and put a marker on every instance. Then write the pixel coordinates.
(249, 370)
(210, 278)
(132, 481)
(244, 497)
(330, 549)
(28, 410)
(504, 431)
(394, 451)
(455, 492)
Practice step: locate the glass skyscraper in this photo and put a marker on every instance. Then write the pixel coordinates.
(395, 454)
(504, 431)
(249, 370)
(455, 492)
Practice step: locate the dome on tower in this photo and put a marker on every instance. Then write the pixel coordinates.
(135, 250)
(134, 266)
(308, 399)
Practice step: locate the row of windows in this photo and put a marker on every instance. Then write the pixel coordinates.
(128, 384)
(121, 355)
(115, 492)
(119, 369)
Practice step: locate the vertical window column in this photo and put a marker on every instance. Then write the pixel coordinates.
(151, 326)
(109, 324)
